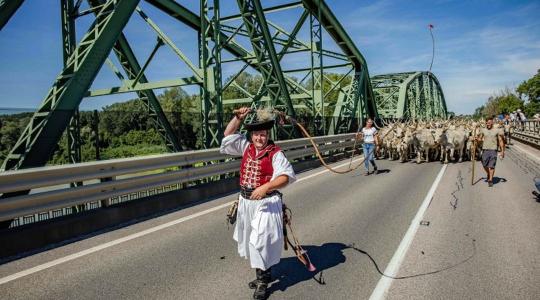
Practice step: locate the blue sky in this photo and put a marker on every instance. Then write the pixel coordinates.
(482, 47)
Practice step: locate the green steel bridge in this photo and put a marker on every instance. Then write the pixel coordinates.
(409, 95)
(153, 226)
(250, 37)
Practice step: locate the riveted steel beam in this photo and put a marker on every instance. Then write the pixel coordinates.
(134, 72)
(263, 46)
(40, 137)
(7, 10)
(210, 61)
(409, 95)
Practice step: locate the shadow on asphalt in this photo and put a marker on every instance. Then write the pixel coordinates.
(379, 172)
(536, 196)
(448, 267)
(480, 179)
(498, 179)
(290, 271)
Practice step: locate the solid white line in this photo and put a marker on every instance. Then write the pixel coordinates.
(131, 237)
(393, 267)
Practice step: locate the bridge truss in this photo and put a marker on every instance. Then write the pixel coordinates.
(410, 95)
(250, 37)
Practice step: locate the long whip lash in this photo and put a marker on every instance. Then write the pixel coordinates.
(318, 153)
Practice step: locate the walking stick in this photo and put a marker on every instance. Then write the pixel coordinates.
(473, 156)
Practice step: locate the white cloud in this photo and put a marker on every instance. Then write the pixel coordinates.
(474, 58)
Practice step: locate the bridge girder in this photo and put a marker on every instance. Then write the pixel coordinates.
(270, 44)
(8, 9)
(46, 126)
(409, 95)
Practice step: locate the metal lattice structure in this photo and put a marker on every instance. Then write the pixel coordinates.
(250, 37)
(410, 95)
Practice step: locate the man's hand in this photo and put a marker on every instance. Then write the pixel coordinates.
(242, 112)
(259, 192)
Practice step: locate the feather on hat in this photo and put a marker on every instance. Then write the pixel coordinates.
(264, 120)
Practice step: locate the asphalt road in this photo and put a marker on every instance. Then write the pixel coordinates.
(482, 242)
(196, 258)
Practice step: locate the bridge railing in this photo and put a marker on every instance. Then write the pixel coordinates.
(106, 180)
(527, 131)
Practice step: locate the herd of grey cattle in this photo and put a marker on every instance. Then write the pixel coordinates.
(429, 141)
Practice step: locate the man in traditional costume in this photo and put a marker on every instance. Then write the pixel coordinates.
(264, 169)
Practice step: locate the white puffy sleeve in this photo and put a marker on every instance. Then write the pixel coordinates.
(282, 166)
(234, 144)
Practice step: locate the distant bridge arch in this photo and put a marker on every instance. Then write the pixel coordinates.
(409, 95)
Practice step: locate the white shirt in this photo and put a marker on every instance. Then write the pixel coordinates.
(369, 134)
(236, 144)
(259, 224)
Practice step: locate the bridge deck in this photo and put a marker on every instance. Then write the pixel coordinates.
(481, 244)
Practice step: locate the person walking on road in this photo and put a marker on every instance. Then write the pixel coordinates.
(522, 118)
(263, 170)
(507, 129)
(371, 143)
(491, 137)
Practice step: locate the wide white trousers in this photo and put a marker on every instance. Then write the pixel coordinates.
(259, 231)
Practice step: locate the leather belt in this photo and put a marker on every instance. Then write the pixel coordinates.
(246, 193)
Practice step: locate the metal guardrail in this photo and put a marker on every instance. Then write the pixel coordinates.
(527, 131)
(50, 185)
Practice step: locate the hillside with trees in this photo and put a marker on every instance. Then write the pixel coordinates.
(525, 97)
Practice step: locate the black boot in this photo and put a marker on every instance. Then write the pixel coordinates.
(253, 284)
(263, 279)
(259, 275)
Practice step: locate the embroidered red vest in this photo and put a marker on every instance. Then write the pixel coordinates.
(256, 170)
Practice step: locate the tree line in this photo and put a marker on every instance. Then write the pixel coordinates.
(525, 97)
(126, 129)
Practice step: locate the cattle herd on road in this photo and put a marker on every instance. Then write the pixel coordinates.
(446, 141)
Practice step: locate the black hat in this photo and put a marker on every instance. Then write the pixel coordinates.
(260, 125)
(264, 120)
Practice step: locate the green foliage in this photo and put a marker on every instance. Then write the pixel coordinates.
(525, 97)
(330, 89)
(504, 102)
(247, 85)
(132, 151)
(531, 109)
(530, 89)
(124, 129)
(11, 127)
(184, 114)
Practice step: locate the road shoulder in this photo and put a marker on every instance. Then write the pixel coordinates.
(480, 242)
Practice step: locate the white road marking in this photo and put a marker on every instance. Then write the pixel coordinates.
(76, 255)
(532, 155)
(393, 267)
